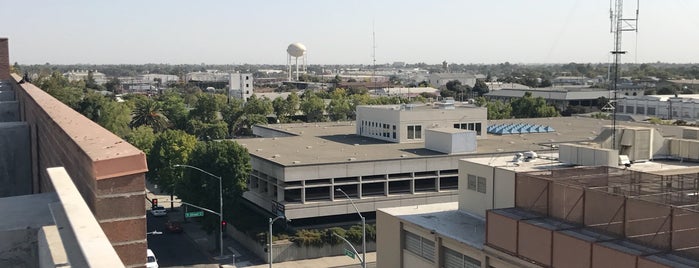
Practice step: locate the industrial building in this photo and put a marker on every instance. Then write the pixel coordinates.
(296, 167)
(670, 107)
(524, 210)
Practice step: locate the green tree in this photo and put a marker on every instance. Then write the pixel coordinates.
(312, 106)
(171, 147)
(208, 131)
(499, 110)
(261, 106)
(115, 117)
(113, 85)
(530, 107)
(480, 87)
(149, 112)
(226, 159)
(142, 137)
(205, 108)
(174, 109)
(91, 105)
(339, 108)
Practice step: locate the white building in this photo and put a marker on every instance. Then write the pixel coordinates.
(78, 75)
(683, 107)
(405, 91)
(441, 79)
(241, 86)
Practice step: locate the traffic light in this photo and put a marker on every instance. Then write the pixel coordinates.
(223, 225)
(154, 202)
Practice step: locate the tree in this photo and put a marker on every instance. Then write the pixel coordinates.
(91, 105)
(142, 137)
(207, 131)
(205, 108)
(313, 107)
(174, 109)
(529, 107)
(113, 85)
(286, 108)
(480, 87)
(149, 112)
(339, 108)
(226, 159)
(261, 106)
(115, 117)
(171, 147)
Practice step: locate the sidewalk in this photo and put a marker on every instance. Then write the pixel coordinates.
(329, 262)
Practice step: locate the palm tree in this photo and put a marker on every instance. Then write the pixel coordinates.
(149, 112)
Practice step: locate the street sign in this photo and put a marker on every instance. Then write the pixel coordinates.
(194, 214)
(349, 253)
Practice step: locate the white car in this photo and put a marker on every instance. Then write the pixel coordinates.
(152, 261)
(158, 211)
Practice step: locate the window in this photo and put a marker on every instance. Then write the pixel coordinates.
(419, 246)
(453, 259)
(651, 110)
(415, 132)
(640, 110)
(394, 132)
(476, 183)
(469, 126)
(418, 132)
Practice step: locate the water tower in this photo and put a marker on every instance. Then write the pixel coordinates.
(296, 51)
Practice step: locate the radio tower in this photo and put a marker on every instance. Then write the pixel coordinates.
(618, 26)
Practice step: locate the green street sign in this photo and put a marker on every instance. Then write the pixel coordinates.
(194, 214)
(349, 253)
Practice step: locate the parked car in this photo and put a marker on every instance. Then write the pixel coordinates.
(151, 260)
(173, 227)
(158, 211)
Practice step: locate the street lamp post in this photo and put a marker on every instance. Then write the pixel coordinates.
(363, 227)
(269, 249)
(220, 207)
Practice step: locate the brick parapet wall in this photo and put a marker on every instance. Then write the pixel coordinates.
(108, 172)
(4, 59)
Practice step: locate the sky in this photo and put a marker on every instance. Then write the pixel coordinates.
(340, 31)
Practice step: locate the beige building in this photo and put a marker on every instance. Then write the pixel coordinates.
(538, 212)
(408, 122)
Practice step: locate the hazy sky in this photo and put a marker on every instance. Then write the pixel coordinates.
(340, 31)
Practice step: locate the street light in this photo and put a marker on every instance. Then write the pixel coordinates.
(220, 207)
(269, 249)
(363, 227)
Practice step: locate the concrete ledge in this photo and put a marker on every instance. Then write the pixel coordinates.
(80, 231)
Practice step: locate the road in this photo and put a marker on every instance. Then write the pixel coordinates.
(173, 250)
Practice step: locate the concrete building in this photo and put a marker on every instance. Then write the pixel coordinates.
(78, 75)
(538, 212)
(680, 107)
(441, 79)
(296, 167)
(561, 97)
(406, 123)
(241, 86)
(73, 193)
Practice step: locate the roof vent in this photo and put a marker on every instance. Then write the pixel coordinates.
(296, 162)
(309, 147)
(351, 159)
(258, 150)
(276, 156)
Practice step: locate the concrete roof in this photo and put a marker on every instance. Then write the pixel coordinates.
(446, 220)
(335, 142)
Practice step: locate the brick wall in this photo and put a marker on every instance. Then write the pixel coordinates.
(4, 59)
(108, 172)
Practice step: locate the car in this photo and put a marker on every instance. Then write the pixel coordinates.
(158, 211)
(173, 227)
(151, 260)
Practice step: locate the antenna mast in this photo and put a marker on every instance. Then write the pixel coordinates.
(373, 46)
(618, 26)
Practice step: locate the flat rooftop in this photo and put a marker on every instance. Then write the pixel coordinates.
(336, 142)
(445, 219)
(549, 160)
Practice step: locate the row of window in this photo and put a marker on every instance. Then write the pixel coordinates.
(476, 183)
(377, 129)
(651, 110)
(425, 249)
(414, 132)
(470, 126)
